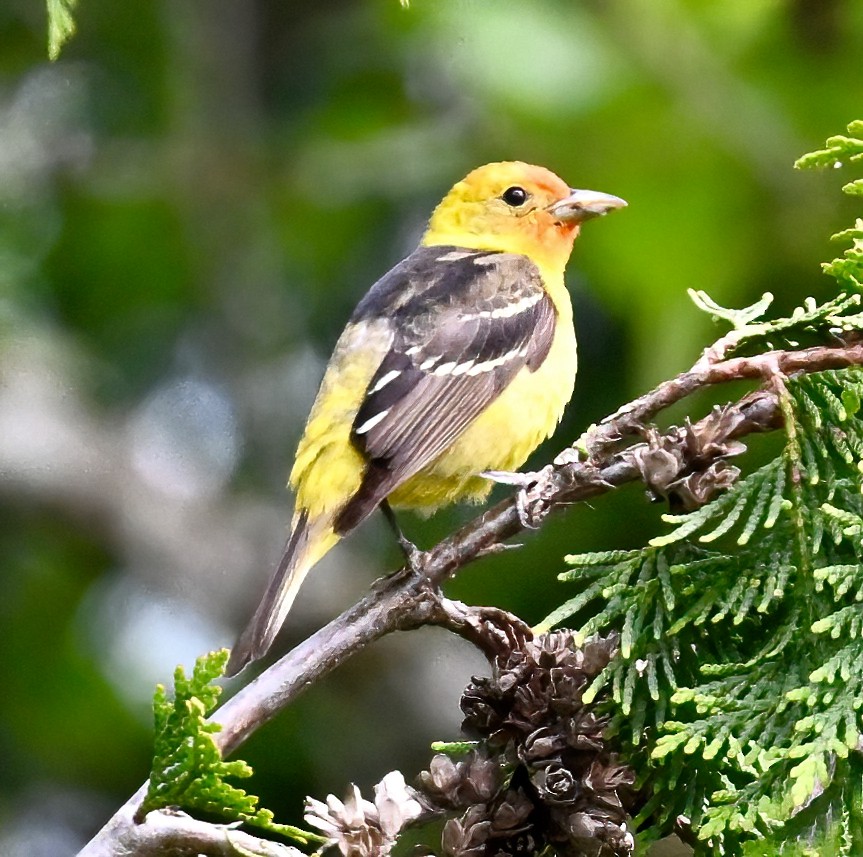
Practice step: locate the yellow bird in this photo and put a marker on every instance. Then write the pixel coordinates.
(458, 361)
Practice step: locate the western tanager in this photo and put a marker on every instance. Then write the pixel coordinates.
(458, 361)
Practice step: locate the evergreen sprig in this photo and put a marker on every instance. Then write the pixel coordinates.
(739, 683)
(751, 332)
(840, 150)
(751, 335)
(188, 770)
(742, 632)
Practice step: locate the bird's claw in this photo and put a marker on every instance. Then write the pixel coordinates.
(414, 557)
(528, 514)
(534, 490)
(508, 477)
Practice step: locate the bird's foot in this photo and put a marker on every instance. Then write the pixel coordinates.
(534, 490)
(509, 477)
(414, 557)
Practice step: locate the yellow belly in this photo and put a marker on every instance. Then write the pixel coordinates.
(503, 436)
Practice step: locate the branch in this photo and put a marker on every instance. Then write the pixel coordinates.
(628, 419)
(171, 832)
(411, 598)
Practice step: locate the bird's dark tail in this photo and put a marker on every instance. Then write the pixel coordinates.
(307, 543)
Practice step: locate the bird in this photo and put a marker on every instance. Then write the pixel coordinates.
(458, 362)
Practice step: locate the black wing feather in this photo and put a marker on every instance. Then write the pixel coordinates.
(451, 310)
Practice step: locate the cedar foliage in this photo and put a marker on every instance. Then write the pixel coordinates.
(739, 685)
(188, 770)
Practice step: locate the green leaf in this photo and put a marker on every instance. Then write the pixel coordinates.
(851, 401)
(808, 777)
(188, 770)
(737, 318)
(454, 748)
(61, 25)
(838, 150)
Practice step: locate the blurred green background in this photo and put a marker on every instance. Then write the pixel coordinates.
(192, 200)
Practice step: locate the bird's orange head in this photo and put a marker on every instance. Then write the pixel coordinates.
(513, 207)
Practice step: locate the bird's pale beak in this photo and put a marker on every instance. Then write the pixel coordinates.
(581, 205)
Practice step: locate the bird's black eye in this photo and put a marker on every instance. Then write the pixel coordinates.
(514, 196)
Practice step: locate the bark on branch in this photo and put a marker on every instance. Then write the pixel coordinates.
(169, 832)
(598, 462)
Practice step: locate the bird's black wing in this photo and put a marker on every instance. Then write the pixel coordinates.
(464, 323)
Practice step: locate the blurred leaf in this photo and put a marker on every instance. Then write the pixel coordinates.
(61, 25)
